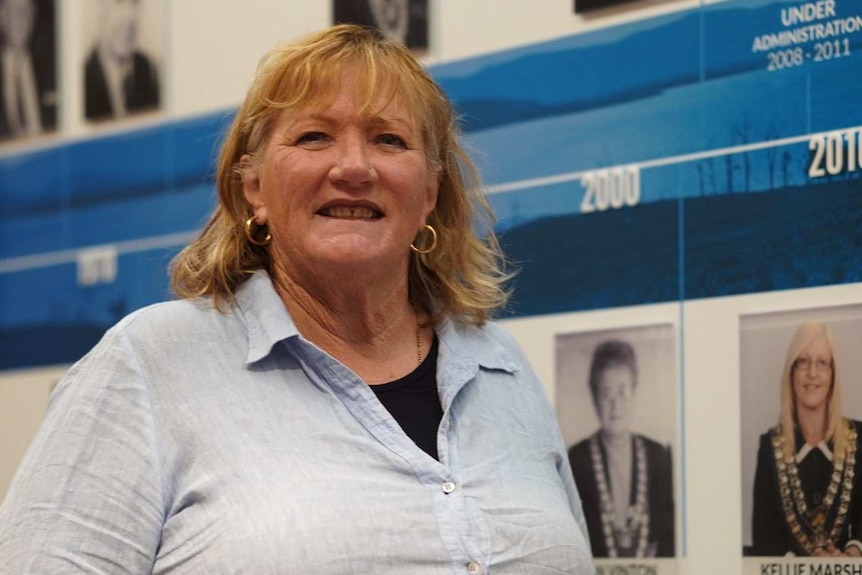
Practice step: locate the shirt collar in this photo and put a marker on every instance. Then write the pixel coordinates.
(808, 448)
(267, 319)
(490, 348)
(268, 322)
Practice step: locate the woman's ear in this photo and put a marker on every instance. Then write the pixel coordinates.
(251, 187)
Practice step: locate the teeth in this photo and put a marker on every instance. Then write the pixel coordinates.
(350, 212)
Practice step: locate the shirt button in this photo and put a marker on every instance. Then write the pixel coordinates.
(448, 488)
(473, 568)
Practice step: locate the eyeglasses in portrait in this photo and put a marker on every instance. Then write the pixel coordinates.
(801, 434)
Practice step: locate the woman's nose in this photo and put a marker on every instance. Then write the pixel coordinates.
(353, 163)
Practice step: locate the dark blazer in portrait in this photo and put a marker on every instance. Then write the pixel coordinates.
(659, 471)
(44, 69)
(359, 12)
(141, 94)
(770, 531)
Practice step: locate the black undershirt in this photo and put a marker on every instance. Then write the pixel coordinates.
(414, 402)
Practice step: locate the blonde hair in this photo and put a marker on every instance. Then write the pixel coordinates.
(463, 277)
(835, 429)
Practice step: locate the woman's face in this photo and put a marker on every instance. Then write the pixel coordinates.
(615, 399)
(812, 374)
(342, 190)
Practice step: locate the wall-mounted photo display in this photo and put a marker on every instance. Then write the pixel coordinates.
(404, 21)
(28, 70)
(582, 6)
(616, 397)
(801, 434)
(122, 64)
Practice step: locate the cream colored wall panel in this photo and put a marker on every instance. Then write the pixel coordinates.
(23, 399)
(467, 28)
(214, 47)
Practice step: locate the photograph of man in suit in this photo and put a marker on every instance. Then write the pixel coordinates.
(404, 21)
(28, 101)
(625, 479)
(119, 79)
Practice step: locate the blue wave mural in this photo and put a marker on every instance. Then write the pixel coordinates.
(683, 98)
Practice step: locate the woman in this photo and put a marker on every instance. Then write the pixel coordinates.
(806, 500)
(625, 479)
(328, 397)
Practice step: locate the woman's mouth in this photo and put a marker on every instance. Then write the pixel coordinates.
(351, 213)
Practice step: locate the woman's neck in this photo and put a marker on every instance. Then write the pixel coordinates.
(616, 440)
(812, 424)
(373, 330)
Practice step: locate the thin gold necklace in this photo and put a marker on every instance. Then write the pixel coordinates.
(418, 341)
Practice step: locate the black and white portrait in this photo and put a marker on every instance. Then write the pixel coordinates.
(404, 21)
(121, 73)
(616, 396)
(801, 432)
(582, 6)
(28, 74)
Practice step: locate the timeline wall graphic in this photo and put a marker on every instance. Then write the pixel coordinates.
(689, 157)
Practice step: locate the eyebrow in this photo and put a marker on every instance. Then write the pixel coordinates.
(373, 121)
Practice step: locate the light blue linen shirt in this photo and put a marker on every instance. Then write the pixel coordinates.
(194, 441)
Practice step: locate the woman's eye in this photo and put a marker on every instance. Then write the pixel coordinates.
(391, 140)
(312, 138)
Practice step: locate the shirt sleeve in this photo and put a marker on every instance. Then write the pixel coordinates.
(574, 497)
(89, 495)
(564, 467)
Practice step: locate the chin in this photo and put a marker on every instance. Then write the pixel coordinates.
(357, 260)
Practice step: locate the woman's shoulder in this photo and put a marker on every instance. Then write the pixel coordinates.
(487, 330)
(655, 451)
(167, 317)
(169, 326)
(652, 444)
(766, 439)
(489, 344)
(581, 449)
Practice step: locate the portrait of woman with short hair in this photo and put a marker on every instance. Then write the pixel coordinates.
(624, 476)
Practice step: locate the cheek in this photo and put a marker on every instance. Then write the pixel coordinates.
(604, 409)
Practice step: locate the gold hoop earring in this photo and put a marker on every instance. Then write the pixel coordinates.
(249, 233)
(430, 248)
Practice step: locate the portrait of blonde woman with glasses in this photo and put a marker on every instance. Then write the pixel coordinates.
(806, 500)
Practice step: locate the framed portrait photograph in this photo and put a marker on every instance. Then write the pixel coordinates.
(585, 6)
(28, 68)
(616, 395)
(405, 21)
(122, 64)
(801, 432)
